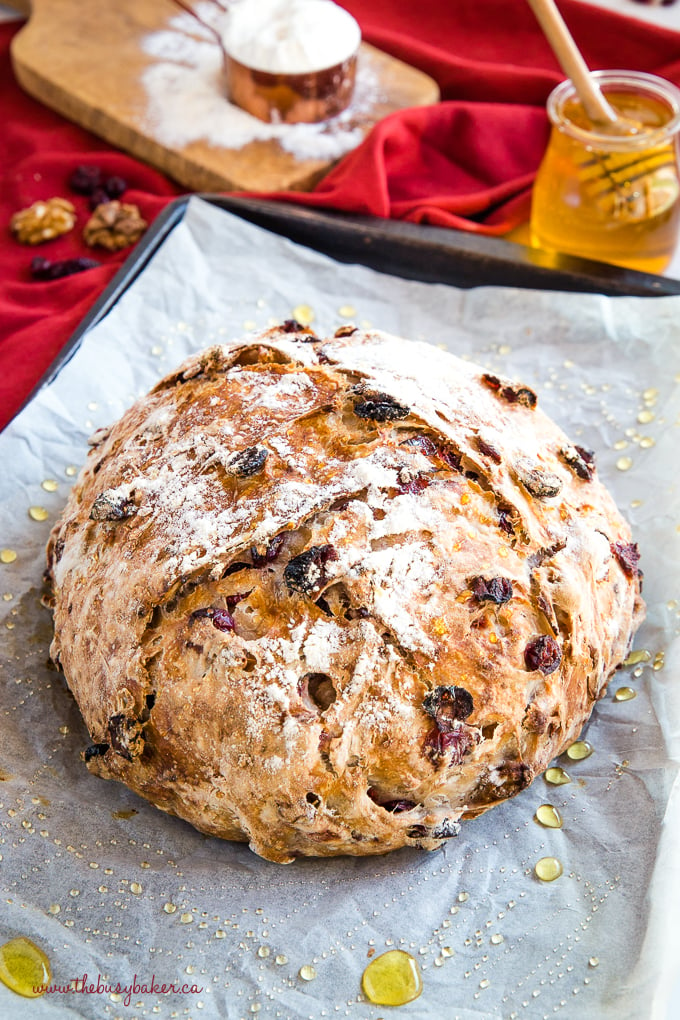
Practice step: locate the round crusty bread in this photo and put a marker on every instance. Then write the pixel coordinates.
(330, 596)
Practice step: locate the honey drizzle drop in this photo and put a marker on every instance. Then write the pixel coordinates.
(24, 968)
(392, 979)
(557, 776)
(579, 750)
(625, 694)
(548, 869)
(549, 816)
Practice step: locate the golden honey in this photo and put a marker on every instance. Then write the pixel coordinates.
(548, 869)
(579, 750)
(612, 193)
(24, 967)
(392, 979)
(549, 816)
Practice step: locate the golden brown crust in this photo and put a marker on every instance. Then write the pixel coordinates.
(331, 596)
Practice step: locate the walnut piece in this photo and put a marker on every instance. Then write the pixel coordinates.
(114, 225)
(43, 221)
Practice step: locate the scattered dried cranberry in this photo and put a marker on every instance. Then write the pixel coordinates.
(306, 573)
(44, 269)
(85, 179)
(248, 462)
(345, 330)
(543, 653)
(488, 450)
(360, 613)
(394, 806)
(492, 381)
(98, 197)
(505, 520)
(580, 460)
(498, 589)
(628, 557)
(520, 395)
(446, 705)
(95, 751)
(115, 186)
(513, 394)
(450, 457)
(411, 482)
(421, 443)
(291, 326)
(455, 744)
(221, 619)
(261, 559)
(381, 407)
(112, 506)
(233, 600)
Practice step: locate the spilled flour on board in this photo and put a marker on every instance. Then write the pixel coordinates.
(187, 97)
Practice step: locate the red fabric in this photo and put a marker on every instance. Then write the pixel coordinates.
(466, 163)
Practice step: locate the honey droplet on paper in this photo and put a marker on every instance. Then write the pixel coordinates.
(307, 972)
(625, 694)
(71, 471)
(50, 485)
(303, 314)
(579, 750)
(548, 869)
(640, 655)
(392, 979)
(24, 967)
(124, 813)
(549, 816)
(347, 312)
(557, 776)
(7, 555)
(38, 513)
(624, 463)
(135, 888)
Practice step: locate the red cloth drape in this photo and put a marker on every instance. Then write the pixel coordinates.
(466, 163)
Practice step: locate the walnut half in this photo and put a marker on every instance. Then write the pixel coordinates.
(114, 225)
(43, 221)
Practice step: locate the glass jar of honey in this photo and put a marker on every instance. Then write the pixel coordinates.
(612, 192)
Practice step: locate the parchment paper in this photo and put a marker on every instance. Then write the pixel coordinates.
(114, 894)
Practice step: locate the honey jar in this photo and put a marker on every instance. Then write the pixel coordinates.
(612, 192)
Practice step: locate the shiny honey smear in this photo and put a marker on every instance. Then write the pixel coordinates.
(548, 869)
(556, 776)
(549, 816)
(392, 979)
(24, 967)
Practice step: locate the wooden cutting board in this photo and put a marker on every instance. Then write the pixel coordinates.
(85, 59)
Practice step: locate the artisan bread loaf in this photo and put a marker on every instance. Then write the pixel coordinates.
(330, 596)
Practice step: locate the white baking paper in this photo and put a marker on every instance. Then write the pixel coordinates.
(131, 899)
